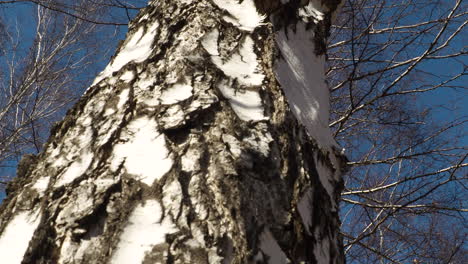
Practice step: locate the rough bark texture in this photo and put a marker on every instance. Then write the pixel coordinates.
(168, 158)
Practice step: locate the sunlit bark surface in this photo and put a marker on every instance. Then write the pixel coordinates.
(205, 140)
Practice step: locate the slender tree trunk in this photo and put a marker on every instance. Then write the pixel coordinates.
(205, 140)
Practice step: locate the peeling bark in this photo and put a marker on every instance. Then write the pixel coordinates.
(192, 146)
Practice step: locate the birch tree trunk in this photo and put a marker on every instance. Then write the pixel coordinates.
(205, 140)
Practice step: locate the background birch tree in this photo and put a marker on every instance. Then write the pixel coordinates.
(204, 140)
(397, 72)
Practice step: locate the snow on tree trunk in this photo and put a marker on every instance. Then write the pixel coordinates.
(205, 140)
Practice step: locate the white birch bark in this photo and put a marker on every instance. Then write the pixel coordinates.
(205, 140)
